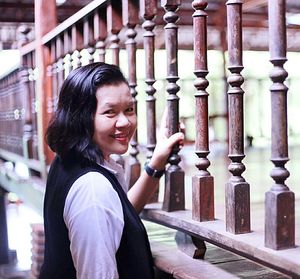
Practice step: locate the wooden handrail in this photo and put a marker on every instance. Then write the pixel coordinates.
(72, 20)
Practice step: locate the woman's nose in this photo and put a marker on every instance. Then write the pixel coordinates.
(122, 121)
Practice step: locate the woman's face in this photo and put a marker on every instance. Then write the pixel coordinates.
(115, 119)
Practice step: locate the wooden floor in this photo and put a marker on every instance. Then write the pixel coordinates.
(234, 266)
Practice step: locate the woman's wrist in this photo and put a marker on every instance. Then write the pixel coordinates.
(157, 164)
(157, 173)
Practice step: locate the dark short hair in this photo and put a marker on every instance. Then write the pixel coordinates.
(70, 131)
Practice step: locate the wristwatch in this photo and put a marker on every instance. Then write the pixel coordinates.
(152, 172)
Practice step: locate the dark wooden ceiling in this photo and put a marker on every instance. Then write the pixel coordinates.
(23, 10)
(255, 18)
(255, 11)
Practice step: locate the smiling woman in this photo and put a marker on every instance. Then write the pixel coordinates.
(115, 119)
(92, 229)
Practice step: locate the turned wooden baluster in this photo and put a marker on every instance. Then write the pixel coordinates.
(25, 83)
(203, 182)
(174, 178)
(88, 39)
(237, 195)
(100, 33)
(27, 124)
(148, 11)
(52, 75)
(34, 106)
(68, 52)
(20, 105)
(11, 116)
(130, 17)
(280, 201)
(77, 44)
(59, 69)
(114, 26)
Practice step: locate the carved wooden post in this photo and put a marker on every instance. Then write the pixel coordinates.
(68, 52)
(88, 39)
(148, 11)
(25, 81)
(77, 43)
(34, 105)
(45, 20)
(52, 75)
(280, 201)
(27, 127)
(4, 250)
(130, 17)
(203, 182)
(114, 26)
(174, 178)
(100, 33)
(60, 67)
(237, 189)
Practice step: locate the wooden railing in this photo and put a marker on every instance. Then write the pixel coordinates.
(105, 27)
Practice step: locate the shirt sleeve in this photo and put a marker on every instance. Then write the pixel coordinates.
(94, 217)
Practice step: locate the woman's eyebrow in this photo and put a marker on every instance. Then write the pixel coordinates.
(111, 104)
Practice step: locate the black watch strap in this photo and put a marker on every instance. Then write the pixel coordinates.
(152, 172)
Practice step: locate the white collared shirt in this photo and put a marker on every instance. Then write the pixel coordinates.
(94, 217)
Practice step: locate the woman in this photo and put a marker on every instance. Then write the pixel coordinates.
(92, 229)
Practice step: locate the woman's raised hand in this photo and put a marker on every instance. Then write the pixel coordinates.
(164, 144)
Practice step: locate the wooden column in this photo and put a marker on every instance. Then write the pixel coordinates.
(130, 17)
(4, 251)
(100, 33)
(114, 26)
(148, 11)
(280, 201)
(174, 178)
(237, 189)
(203, 182)
(45, 20)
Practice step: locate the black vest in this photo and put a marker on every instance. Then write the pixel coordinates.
(134, 259)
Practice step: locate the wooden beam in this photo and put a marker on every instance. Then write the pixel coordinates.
(250, 245)
(254, 4)
(45, 21)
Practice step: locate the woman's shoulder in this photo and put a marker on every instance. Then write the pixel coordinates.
(92, 189)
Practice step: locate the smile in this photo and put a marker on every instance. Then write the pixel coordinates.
(121, 137)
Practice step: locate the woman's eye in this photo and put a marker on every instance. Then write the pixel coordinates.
(131, 109)
(110, 111)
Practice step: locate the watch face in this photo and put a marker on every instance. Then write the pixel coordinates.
(154, 173)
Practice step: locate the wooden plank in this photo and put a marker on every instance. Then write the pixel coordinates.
(181, 266)
(216, 259)
(30, 163)
(249, 245)
(30, 190)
